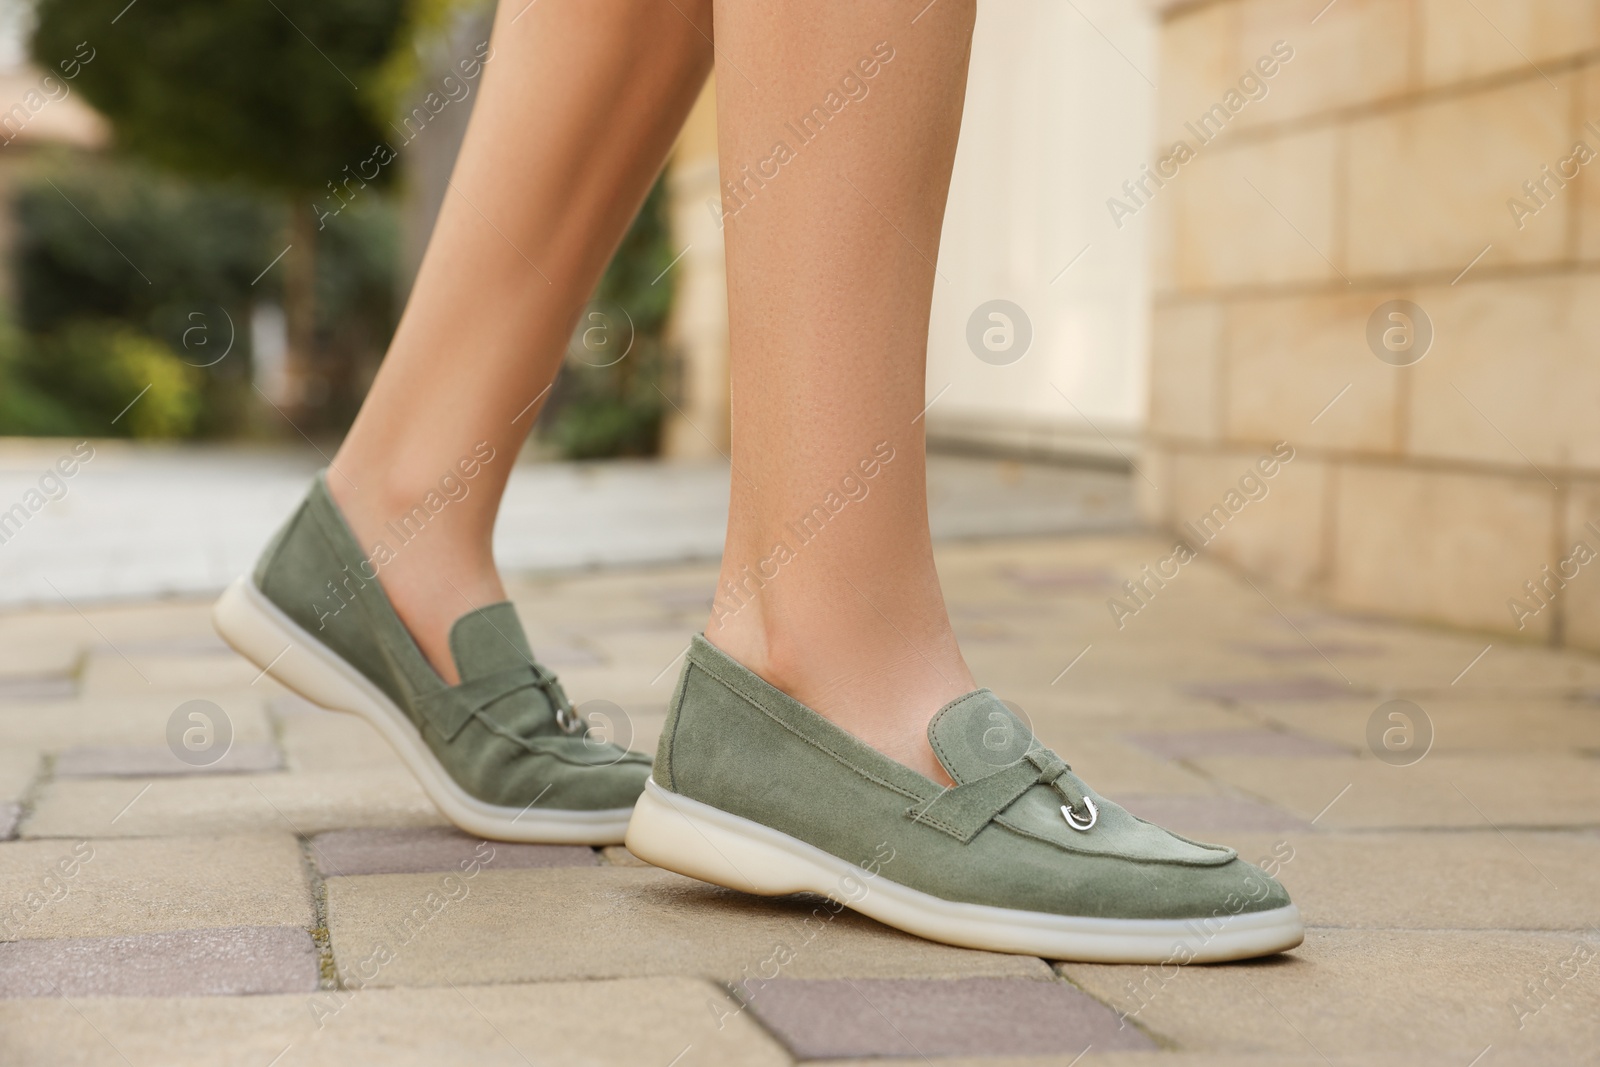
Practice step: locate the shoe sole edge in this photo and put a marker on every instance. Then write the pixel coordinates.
(262, 633)
(695, 839)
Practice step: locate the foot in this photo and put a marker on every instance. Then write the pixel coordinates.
(757, 792)
(503, 754)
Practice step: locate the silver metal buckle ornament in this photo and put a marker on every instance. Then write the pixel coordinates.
(568, 719)
(1078, 824)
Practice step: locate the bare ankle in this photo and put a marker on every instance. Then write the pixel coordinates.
(434, 564)
(877, 690)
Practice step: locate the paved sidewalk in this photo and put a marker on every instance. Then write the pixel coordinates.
(299, 902)
(139, 521)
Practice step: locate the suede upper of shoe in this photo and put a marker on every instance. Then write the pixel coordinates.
(498, 732)
(998, 837)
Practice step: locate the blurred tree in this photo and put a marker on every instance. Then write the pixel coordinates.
(289, 96)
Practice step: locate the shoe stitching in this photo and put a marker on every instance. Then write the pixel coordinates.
(500, 731)
(753, 702)
(669, 739)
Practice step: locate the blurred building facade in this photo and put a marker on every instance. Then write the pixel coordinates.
(1435, 152)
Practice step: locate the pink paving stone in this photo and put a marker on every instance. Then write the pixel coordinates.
(1189, 745)
(228, 960)
(920, 1019)
(146, 761)
(434, 848)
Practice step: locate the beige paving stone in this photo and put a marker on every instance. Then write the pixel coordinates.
(1474, 879)
(1433, 544)
(1185, 354)
(92, 888)
(1354, 992)
(302, 802)
(603, 922)
(130, 672)
(1512, 723)
(1413, 208)
(37, 654)
(139, 719)
(1452, 664)
(1214, 230)
(627, 1022)
(617, 856)
(333, 741)
(148, 625)
(19, 768)
(1115, 767)
(1441, 790)
(1169, 1058)
(229, 960)
(1462, 41)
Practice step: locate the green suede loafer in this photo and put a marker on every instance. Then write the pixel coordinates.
(503, 754)
(754, 791)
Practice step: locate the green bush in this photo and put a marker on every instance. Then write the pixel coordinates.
(596, 411)
(181, 262)
(99, 379)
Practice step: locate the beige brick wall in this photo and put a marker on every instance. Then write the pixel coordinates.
(1380, 165)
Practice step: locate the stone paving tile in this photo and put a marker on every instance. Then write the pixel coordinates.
(1169, 1058)
(1114, 767)
(608, 922)
(143, 761)
(41, 644)
(625, 1023)
(919, 1018)
(1307, 687)
(31, 688)
(302, 802)
(1299, 651)
(317, 740)
(1438, 880)
(117, 672)
(1510, 723)
(1469, 791)
(19, 767)
(617, 856)
(140, 719)
(1445, 994)
(221, 960)
(433, 848)
(1210, 814)
(87, 888)
(1180, 745)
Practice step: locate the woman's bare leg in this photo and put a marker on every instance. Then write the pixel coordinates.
(579, 105)
(831, 245)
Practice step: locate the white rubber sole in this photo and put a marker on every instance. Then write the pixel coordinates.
(260, 632)
(704, 842)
